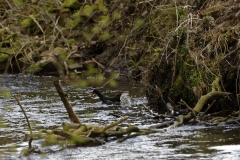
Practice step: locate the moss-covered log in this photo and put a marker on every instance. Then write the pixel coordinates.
(79, 140)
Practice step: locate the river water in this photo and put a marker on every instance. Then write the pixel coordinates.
(45, 110)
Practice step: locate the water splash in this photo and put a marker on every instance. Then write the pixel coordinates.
(126, 100)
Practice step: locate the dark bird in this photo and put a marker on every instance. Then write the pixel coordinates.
(107, 100)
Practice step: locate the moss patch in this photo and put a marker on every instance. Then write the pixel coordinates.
(72, 4)
(3, 57)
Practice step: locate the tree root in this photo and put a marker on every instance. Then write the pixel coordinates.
(216, 91)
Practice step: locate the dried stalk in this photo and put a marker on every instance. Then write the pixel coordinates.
(31, 16)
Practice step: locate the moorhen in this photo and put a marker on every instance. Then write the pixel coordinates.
(107, 100)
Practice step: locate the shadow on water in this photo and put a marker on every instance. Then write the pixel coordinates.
(45, 111)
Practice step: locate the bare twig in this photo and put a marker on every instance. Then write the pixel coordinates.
(99, 64)
(130, 34)
(114, 124)
(209, 106)
(66, 68)
(111, 80)
(216, 113)
(29, 126)
(59, 30)
(34, 19)
(154, 114)
(185, 104)
(176, 8)
(9, 4)
(229, 54)
(186, 21)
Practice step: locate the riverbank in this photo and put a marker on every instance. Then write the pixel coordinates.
(176, 49)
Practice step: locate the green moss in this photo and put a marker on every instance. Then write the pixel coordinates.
(193, 77)
(116, 15)
(11, 37)
(6, 93)
(105, 35)
(75, 20)
(62, 54)
(104, 21)
(187, 76)
(181, 12)
(27, 22)
(3, 57)
(71, 41)
(7, 50)
(18, 3)
(181, 35)
(231, 75)
(88, 10)
(102, 8)
(96, 29)
(72, 4)
(37, 67)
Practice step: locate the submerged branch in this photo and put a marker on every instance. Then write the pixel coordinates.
(139, 133)
(155, 114)
(114, 124)
(79, 140)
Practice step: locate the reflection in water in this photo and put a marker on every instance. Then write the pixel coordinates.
(45, 111)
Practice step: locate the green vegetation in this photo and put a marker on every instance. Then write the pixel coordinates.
(187, 46)
(27, 23)
(36, 67)
(73, 4)
(3, 57)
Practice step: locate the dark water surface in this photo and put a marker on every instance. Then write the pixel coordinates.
(45, 111)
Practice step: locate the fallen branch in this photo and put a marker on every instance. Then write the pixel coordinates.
(111, 80)
(216, 114)
(71, 114)
(85, 135)
(30, 149)
(216, 91)
(192, 111)
(66, 126)
(79, 140)
(162, 125)
(139, 133)
(114, 124)
(155, 114)
(209, 106)
(99, 64)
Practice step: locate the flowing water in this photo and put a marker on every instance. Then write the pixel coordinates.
(45, 110)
